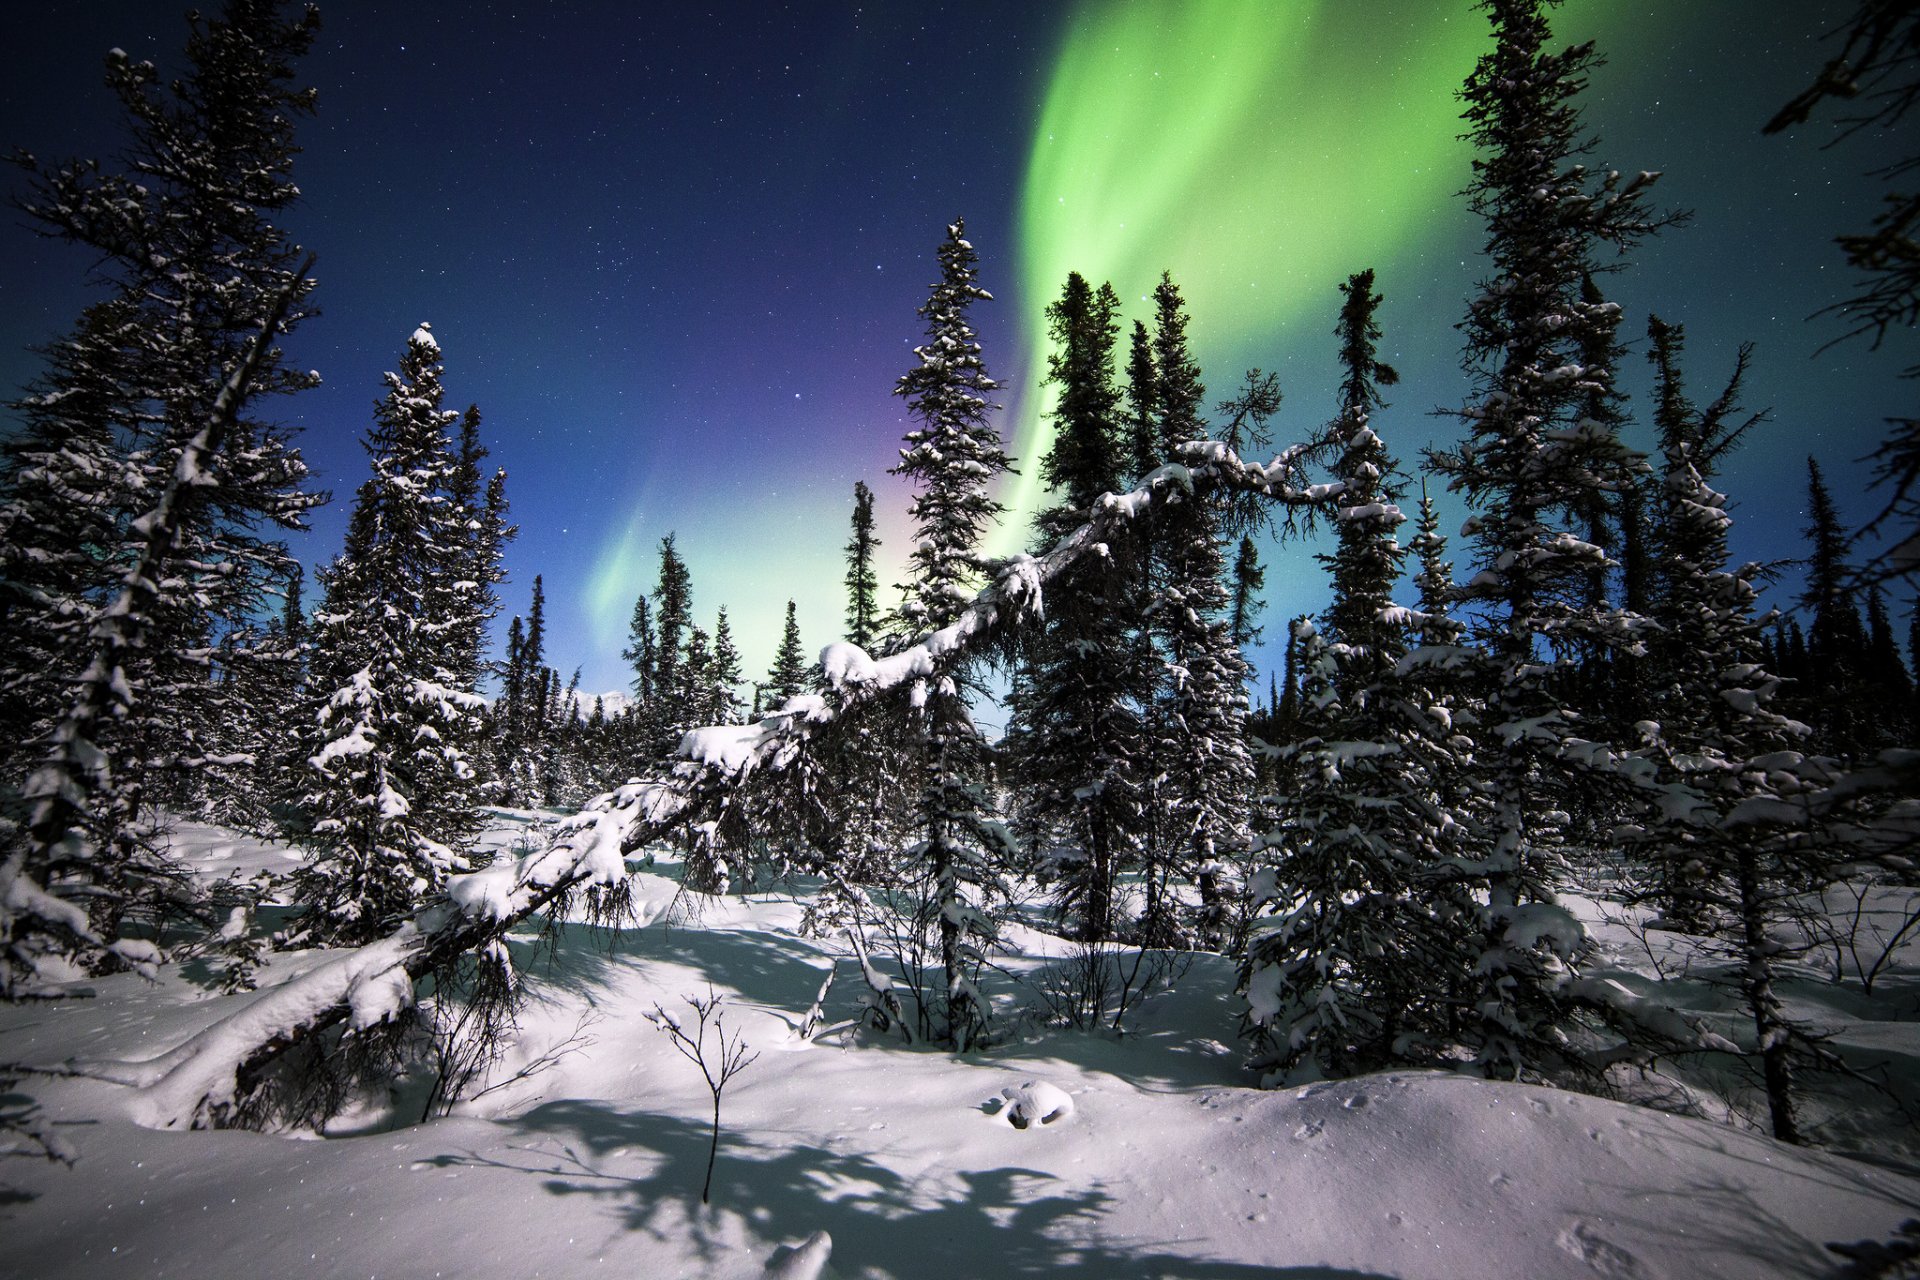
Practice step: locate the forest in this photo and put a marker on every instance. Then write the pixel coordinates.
(1550, 807)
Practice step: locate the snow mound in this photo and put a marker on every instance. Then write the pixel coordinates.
(805, 1261)
(1036, 1100)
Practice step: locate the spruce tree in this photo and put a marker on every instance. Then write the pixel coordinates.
(1361, 956)
(62, 502)
(952, 456)
(1532, 468)
(1146, 449)
(183, 236)
(669, 717)
(863, 613)
(787, 678)
(483, 508)
(1199, 719)
(170, 371)
(1077, 723)
(1836, 640)
(722, 700)
(1249, 579)
(391, 802)
(642, 652)
(1718, 865)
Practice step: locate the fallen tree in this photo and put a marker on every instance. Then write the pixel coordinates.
(214, 1077)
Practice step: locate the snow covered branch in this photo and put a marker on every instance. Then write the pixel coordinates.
(75, 772)
(204, 1079)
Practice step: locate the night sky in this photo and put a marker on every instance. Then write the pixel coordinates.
(675, 255)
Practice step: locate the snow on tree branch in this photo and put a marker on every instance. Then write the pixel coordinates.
(203, 1080)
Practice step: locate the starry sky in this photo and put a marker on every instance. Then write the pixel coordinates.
(674, 251)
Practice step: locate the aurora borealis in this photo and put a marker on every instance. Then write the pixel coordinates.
(675, 256)
(1257, 152)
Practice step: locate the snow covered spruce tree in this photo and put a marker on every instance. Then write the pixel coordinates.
(665, 718)
(1530, 467)
(872, 794)
(787, 677)
(392, 803)
(1361, 951)
(952, 456)
(65, 489)
(1723, 844)
(1198, 717)
(524, 721)
(1077, 731)
(483, 507)
(183, 239)
(863, 614)
(1836, 638)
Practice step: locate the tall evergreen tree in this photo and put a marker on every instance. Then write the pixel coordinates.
(184, 236)
(1249, 579)
(1200, 717)
(1836, 639)
(392, 803)
(64, 495)
(722, 701)
(1531, 467)
(482, 505)
(1718, 867)
(952, 456)
(787, 678)
(1362, 956)
(642, 652)
(1077, 723)
(1146, 449)
(169, 371)
(863, 613)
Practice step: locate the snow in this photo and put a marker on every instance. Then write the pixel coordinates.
(853, 1155)
(1036, 1102)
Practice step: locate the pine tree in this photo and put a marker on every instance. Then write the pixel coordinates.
(670, 717)
(1836, 641)
(1717, 867)
(1080, 738)
(168, 372)
(483, 507)
(1531, 468)
(722, 701)
(952, 456)
(533, 653)
(642, 652)
(787, 678)
(184, 238)
(531, 719)
(1200, 716)
(1361, 958)
(63, 497)
(1249, 579)
(948, 394)
(392, 802)
(1143, 404)
(863, 614)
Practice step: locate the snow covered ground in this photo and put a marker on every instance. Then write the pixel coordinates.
(1166, 1163)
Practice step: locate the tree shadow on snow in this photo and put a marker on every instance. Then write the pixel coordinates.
(1727, 1215)
(764, 968)
(996, 1222)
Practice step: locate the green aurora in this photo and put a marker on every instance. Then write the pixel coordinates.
(1260, 150)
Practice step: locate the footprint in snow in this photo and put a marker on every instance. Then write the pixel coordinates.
(1607, 1259)
(1356, 1102)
